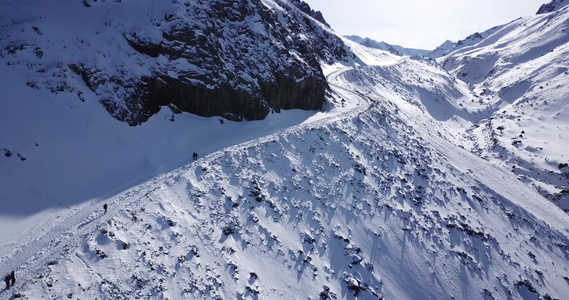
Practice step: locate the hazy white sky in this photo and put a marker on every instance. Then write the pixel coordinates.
(421, 24)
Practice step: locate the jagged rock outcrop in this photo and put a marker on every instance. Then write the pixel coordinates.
(305, 8)
(238, 59)
(552, 6)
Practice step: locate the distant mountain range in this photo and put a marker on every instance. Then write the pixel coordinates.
(395, 49)
(448, 46)
(445, 48)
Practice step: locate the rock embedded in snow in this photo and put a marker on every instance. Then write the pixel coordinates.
(552, 6)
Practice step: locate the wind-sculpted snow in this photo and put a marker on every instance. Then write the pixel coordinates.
(358, 207)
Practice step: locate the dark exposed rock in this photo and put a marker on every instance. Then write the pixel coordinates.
(238, 59)
(305, 8)
(224, 100)
(475, 36)
(144, 48)
(552, 6)
(288, 93)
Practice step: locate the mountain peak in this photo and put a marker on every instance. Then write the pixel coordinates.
(395, 49)
(552, 6)
(305, 8)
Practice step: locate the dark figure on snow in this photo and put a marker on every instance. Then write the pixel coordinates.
(10, 280)
(195, 155)
(13, 278)
(105, 208)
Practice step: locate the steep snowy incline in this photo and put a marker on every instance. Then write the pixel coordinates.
(364, 205)
(439, 109)
(378, 196)
(60, 148)
(102, 158)
(23, 237)
(519, 74)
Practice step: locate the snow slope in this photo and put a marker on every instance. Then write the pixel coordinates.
(58, 146)
(449, 46)
(359, 205)
(377, 196)
(395, 49)
(519, 73)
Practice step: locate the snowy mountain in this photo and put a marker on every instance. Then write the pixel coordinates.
(400, 187)
(63, 60)
(395, 49)
(518, 74)
(552, 6)
(443, 49)
(239, 61)
(449, 46)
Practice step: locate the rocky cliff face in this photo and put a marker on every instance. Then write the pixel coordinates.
(246, 59)
(239, 59)
(305, 8)
(552, 6)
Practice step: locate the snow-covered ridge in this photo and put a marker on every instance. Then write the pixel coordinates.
(362, 206)
(58, 145)
(520, 72)
(552, 6)
(377, 196)
(395, 49)
(473, 39)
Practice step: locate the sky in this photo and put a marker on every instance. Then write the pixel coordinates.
(418, 23)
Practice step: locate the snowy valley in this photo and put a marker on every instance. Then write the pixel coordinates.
(441, 177)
